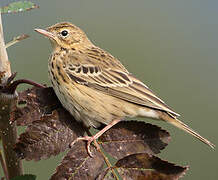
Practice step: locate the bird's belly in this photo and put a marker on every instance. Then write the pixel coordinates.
(90, 106)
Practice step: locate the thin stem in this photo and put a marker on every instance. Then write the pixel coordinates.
(108, 164)
(4, 166)
(8, 134)
(16, 40)
(10, 89)
(8, 131)
(105, 158)
(27, 81)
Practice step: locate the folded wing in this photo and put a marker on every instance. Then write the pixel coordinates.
(115, 82)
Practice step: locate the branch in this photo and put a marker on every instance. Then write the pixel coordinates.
(5, 68)
(16, 40)
(3, 165)
(8, 131)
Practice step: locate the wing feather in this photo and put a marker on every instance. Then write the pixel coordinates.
(116, 82)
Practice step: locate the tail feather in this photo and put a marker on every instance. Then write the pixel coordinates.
(184, 127)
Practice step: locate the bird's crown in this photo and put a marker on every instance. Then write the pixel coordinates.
(65, 34)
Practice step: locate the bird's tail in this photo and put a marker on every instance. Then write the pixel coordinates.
(183, 126)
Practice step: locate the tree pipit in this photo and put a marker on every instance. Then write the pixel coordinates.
(96, 88)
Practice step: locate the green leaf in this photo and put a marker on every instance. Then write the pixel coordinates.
(18, 6)
(25, 177)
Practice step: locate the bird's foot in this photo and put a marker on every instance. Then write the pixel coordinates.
(89, 140)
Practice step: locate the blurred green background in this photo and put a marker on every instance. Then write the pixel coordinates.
(171, 45)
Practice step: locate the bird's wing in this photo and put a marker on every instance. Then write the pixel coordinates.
(115, 82)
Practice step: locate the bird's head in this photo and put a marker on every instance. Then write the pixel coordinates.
(65, 35)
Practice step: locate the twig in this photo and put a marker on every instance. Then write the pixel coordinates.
(105, 158)
(109, 164)
(4, 166)
(9, 89)
(8, 131)
(16, 40)
(14, 85)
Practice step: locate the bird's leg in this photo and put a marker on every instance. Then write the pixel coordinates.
(90, 139)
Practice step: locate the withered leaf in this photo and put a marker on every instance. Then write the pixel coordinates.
(131, 137)
(148, 167)
(77, 164)
(35, 103)
(51, 129)
(48, 136)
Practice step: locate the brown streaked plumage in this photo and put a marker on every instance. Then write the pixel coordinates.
(96, 88)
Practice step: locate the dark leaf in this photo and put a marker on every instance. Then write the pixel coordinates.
(18, 6)
(25, 177)
(51, 129)
(148, 167)
(131, 137)
(33, 104)
(77, 164)
(48, 136)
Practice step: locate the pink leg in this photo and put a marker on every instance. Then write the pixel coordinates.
(90, 139)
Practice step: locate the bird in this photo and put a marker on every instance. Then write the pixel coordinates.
(96, 88)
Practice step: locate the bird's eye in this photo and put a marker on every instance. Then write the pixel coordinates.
(64, 33)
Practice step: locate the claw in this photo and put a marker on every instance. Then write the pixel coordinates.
(89, 140)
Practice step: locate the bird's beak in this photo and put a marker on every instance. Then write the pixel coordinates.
(46, 33)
